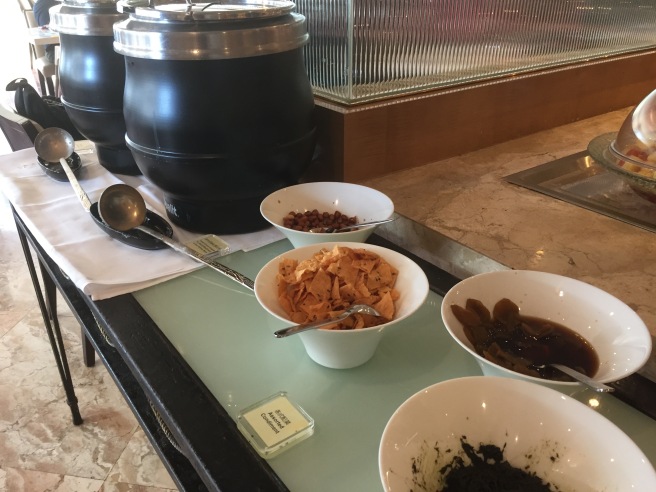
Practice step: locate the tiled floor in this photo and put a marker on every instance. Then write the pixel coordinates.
(40, 448)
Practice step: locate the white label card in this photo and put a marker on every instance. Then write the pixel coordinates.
(208, 245)
(276, 420)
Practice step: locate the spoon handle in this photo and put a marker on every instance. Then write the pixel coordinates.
(595, 385)
(354, 226)
(84, 198)
(365, 224)
(292, 330)
(173, 244)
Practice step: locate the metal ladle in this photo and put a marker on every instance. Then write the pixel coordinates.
(356, 308)
(123, 208)
(56, 144)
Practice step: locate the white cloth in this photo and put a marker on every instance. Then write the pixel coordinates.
(100, 266)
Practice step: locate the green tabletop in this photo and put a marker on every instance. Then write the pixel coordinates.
(227, 338)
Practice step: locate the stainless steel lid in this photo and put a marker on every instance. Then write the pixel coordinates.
(221, 10)
(85, 17)
(210, 31)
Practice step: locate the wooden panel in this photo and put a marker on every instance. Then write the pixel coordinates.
(376, 139)
(328, 162)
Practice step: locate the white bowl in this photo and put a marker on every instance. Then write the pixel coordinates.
(620, 338)
(342, 349)
(350, 199)
(564, 442)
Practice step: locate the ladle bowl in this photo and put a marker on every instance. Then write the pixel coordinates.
(54, 144)
(122, 207)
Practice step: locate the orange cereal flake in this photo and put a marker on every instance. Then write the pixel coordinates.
(331, 281)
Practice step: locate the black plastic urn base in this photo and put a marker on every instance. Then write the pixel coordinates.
(234, 216)
(117, 160)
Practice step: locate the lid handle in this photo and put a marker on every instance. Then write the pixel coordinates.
(130, 6)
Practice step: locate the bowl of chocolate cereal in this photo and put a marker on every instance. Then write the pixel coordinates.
(499, 434)
(311, 213)
(516, 323)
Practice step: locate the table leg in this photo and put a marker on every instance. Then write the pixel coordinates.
(88, 352)
(48, 309)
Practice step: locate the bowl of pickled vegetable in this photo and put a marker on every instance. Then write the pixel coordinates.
(298, 210)
(517, 322)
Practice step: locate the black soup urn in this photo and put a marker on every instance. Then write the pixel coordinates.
(92, 77)
(218, 106)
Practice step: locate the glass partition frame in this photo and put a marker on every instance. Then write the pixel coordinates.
(364, 50)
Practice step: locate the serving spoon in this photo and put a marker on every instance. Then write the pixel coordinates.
(581, 378)
(353, 226)
(123, 208)
(355, 308)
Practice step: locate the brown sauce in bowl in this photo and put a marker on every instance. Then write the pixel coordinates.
(524, 343)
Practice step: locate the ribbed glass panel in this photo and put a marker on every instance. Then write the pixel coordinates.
(362, 50)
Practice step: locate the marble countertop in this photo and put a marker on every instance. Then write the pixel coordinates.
(476, 221)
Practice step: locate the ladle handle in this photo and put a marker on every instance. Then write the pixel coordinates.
(173, 244)
(84, 198)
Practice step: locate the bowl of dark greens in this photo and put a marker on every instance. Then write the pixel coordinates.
(500, 434)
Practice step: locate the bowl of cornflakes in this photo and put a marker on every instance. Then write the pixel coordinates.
(295, 210)
(490, 433)
(515, 323)
(321, 281)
